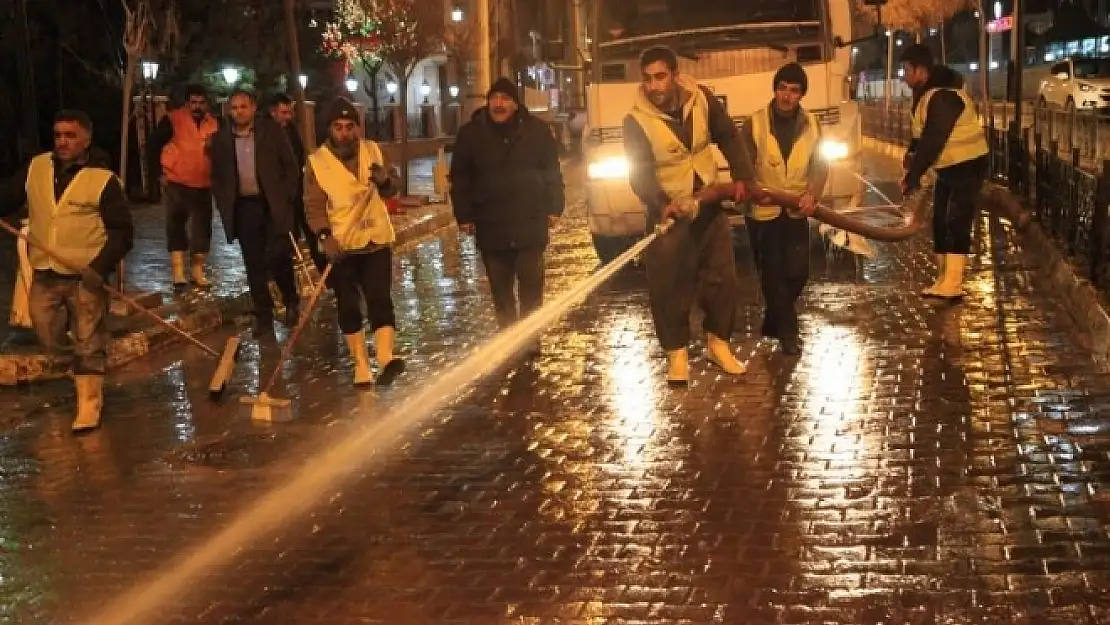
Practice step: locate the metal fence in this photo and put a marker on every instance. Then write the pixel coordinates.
(1057, 162)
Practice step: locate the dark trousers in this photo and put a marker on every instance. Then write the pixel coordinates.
(58, 304)
(266, 252)
(508, 271)
(365, 277)
(692, 262)
(955, 206)
(188, 219)
(780, 247)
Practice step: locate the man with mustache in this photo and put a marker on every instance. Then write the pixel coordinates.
(668, 137)
(75, 204)
(345, 182)
(507, 190)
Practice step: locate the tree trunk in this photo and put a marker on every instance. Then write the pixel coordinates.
(295, 67)
(125, 138)
(984, 59)
(374, 100)
(406, 74)
(943, 46)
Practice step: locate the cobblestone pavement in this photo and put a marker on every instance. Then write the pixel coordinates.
(919, 463)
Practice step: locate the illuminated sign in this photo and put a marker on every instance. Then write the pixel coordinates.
(1001, 24)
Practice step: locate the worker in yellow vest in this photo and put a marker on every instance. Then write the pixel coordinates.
(344, 183)
(668, 139)
(947, 137)
(75, 204)
(782, 139)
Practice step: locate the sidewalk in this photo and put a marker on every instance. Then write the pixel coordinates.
(147, 270)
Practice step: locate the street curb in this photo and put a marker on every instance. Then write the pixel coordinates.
(198, 319)
(1087, 307)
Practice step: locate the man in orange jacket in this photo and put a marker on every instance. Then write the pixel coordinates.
(179, 157)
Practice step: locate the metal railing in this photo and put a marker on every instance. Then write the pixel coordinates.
(1058, 163)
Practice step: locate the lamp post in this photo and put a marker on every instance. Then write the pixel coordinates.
(425, 90)
(231, 75)
(391, 89)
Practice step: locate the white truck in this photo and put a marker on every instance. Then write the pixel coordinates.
(734, 49)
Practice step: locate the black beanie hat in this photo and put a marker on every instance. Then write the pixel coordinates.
(504, 86)
(341, 108)
(793, 74)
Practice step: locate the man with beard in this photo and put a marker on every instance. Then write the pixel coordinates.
(507, 190)
(344, 183)
(282, 110)
(947, 136)
(254, 177)
(76, 205)
(668, 138)
(180, 160)
(782, 138)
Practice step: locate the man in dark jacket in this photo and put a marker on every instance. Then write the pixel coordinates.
(282, 109)
(948, 137)
(507, 189)
(254, 177)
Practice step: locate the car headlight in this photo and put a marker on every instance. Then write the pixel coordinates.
(609, 168)
(1083, 86)
(831, 150)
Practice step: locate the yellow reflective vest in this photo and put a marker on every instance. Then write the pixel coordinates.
(967, 141)
(771, 169)
(356, 213)
(70, 225)
(675, 164)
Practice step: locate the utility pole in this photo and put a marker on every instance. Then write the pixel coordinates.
(1017, 62)
(484, 55)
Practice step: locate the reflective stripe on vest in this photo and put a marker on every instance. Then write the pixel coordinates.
(185, 158)
(70, 225)
(771, 169)
(356, 212)
(967, 141)
(675, 164)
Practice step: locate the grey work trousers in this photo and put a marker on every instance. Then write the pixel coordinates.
(59, 304)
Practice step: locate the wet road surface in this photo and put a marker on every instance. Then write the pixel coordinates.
(919, 463)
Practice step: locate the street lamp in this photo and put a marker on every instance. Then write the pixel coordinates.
(453, 90)
(456, 15)
(352, 85)
(150, 70)
(303, 80)
(425, 90)
(391, 89)
(231, 75)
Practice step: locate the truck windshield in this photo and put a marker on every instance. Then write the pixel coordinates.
(1092, 68)
(637, 18)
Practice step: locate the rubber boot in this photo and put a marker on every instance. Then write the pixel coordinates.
(720, 354)
(678, 367)
(383, 350)
(90, 400)
(177, 267)
(931, 290)
(356, 344)
(952, 287)
(199, 261)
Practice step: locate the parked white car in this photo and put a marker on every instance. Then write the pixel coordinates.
(1077, 83)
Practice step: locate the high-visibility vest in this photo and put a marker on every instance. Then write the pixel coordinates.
(771, 169)
(356, 213)
(185, 158)
(70, 225)
(967, 141)
(675, 164)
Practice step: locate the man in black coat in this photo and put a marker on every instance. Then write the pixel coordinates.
(507, 190)
(254, 179)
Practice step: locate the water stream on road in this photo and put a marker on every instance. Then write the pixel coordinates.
(325, 473)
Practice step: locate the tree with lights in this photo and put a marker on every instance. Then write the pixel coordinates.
(397, 33)
(354, 39)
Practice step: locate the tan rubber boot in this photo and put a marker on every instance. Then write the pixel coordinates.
(678, 367)
(720, 354)
(931, 290)
(356, 344)
(177, 267)
(952, 286)
(199, 279)
(391, 367)
(90, 400)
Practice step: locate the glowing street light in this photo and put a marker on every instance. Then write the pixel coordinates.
(453, 90)
(231, 75)
(303, 80)
(352, 85)
(391, 89)
(456, 15)
(425, 90)
(150, 70)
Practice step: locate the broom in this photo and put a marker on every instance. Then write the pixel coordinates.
(226, 360)
(266, 408)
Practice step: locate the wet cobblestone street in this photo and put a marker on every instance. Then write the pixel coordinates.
(920, 463)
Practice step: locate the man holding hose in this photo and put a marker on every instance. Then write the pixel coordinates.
(75, 204)
(668, 139)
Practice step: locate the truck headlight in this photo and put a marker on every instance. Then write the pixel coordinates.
(609, 168)
(1086, 86)
(832, 150)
